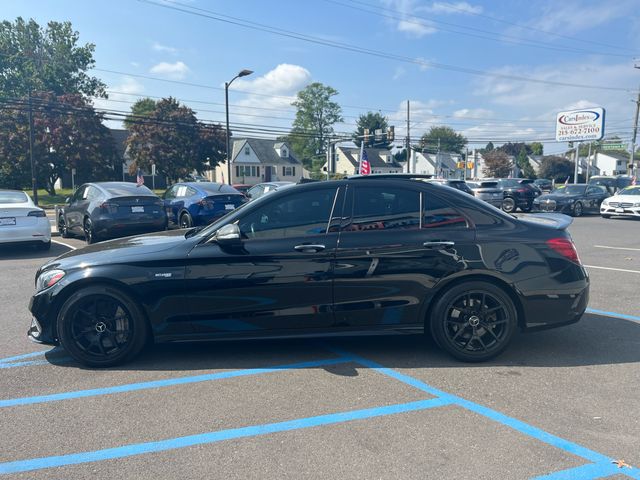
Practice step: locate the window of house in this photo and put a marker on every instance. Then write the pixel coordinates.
(285, 153)
(288, 171)
(247, 150)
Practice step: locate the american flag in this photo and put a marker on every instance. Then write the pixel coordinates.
(139, 178)
(634, 180)
(365, 166)
(566, 182)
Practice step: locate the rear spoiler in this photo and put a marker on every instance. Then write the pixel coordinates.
(557, 221)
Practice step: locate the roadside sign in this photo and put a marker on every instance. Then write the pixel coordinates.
(613, 146)
(153, 169)
(580, 125)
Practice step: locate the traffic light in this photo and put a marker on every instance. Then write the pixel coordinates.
(366, 136)
(391, 133)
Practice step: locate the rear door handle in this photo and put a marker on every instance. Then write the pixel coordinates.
(309, 248)
(438, 245)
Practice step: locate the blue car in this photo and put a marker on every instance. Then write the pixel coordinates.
(190, 204)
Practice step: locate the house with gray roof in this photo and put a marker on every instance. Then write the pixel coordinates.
(347, 160)
(442, 165)
(257, 160)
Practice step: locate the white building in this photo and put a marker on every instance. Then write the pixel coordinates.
(443, 165)
(347, 161)
(609, 163)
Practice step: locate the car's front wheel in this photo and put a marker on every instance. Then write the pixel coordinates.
(62, 227)
(186, 221)
(577, 209)
(100, 326)
(474, 321)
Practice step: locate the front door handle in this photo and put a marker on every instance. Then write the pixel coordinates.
(309, 248)
(439, 245)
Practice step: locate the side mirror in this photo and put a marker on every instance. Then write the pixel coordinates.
(229, 235)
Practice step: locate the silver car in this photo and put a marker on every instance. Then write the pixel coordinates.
(489, 191)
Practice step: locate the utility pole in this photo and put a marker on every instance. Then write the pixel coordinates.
(408, 140)
(438, 160)
(575, 172)
(34, 183)
(635, 165)
(586, 179)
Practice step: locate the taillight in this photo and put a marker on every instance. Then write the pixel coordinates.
(109, 207)
(564, 247)
(522, 190)
(36, 213)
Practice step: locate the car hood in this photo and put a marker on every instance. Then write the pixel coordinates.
(558, 197)
(140, 247)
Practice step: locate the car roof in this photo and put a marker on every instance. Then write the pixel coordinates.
(210, 187)
(120, 188)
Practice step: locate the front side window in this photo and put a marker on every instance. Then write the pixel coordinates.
(384, 208)
(295, 215)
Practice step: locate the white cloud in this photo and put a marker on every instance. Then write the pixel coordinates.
(570, 16)
(118, 98)
(280, 84)
(473, 113)
(174, 71)
(453, 8)
(422, 115)
(412, 26)
(415, 27)
(398, 73)
(158, 47)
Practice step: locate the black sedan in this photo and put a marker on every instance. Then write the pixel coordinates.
(104, 210)
(362, 255)
(576, 200)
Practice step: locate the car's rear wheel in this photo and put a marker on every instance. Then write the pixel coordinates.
(474, 321)
(62, 227)
(509, 205)
(100, 326)
(45, 246)
(577, 209)
(186, 221)
(89, 232)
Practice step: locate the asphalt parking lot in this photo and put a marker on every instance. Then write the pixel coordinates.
(558, 404)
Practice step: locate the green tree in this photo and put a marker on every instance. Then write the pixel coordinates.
(497, 164)
(45, 60)
(315, 117)
(372, 121)
(443, 137)
(68, 134)
(537, 148)
(556, 168)
(142, 108)
(525, 167)
(173, 139)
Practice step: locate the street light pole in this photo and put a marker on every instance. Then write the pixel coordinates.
(243, 73)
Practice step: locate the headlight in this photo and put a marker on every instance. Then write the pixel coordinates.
(605, 203)
(637, 204)
(49, 279)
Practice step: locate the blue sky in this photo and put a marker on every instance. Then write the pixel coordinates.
(569, 42)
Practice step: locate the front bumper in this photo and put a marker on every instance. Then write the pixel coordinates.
(42, 328)
(552, 207)
(620, 210)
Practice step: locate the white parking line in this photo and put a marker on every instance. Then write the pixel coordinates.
(618, 248)
(615, 269)
(64, 244)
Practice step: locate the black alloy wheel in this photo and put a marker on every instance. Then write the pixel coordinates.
(185, 220)
(509, 205)
(62, 227)
(101, 327)
(577, 209)
(474, 321)
(527, 208)
(89, 233)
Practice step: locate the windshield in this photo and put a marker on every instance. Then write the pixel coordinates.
(630, 191)
(13, 197)
(571, 190)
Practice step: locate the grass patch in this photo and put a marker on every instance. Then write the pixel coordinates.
(48, 201)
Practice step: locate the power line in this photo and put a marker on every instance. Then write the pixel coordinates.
(168, 4)
(411, 18)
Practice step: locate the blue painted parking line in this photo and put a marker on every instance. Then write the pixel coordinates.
(21, 357)
(604, 313)
(590, 471)
(522, 427)
(213, 437)
(169, 382)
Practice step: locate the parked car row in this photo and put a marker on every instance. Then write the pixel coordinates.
(103, 210)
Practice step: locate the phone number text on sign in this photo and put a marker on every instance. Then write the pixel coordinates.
(579, 125)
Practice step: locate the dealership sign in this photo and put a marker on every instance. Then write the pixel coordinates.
(579, 125)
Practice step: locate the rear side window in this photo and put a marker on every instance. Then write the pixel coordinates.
(384, 208)
(439, 214)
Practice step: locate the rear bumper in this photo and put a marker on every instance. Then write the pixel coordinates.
(36, 233)
(556, 305)
(132, 225)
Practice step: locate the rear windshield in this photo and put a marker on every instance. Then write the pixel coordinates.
(13, 197)
(607, 182)
(572, 190)
(213, 188)
(488, 184)
(127, 190)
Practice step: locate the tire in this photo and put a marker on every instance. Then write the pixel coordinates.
(100, 326)
(577, 209)
(527, 208)
(62, 227)
(605, 216)
(89, 232)
(509, 205)
(473, 321)
(45, 246)
(185, 221)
